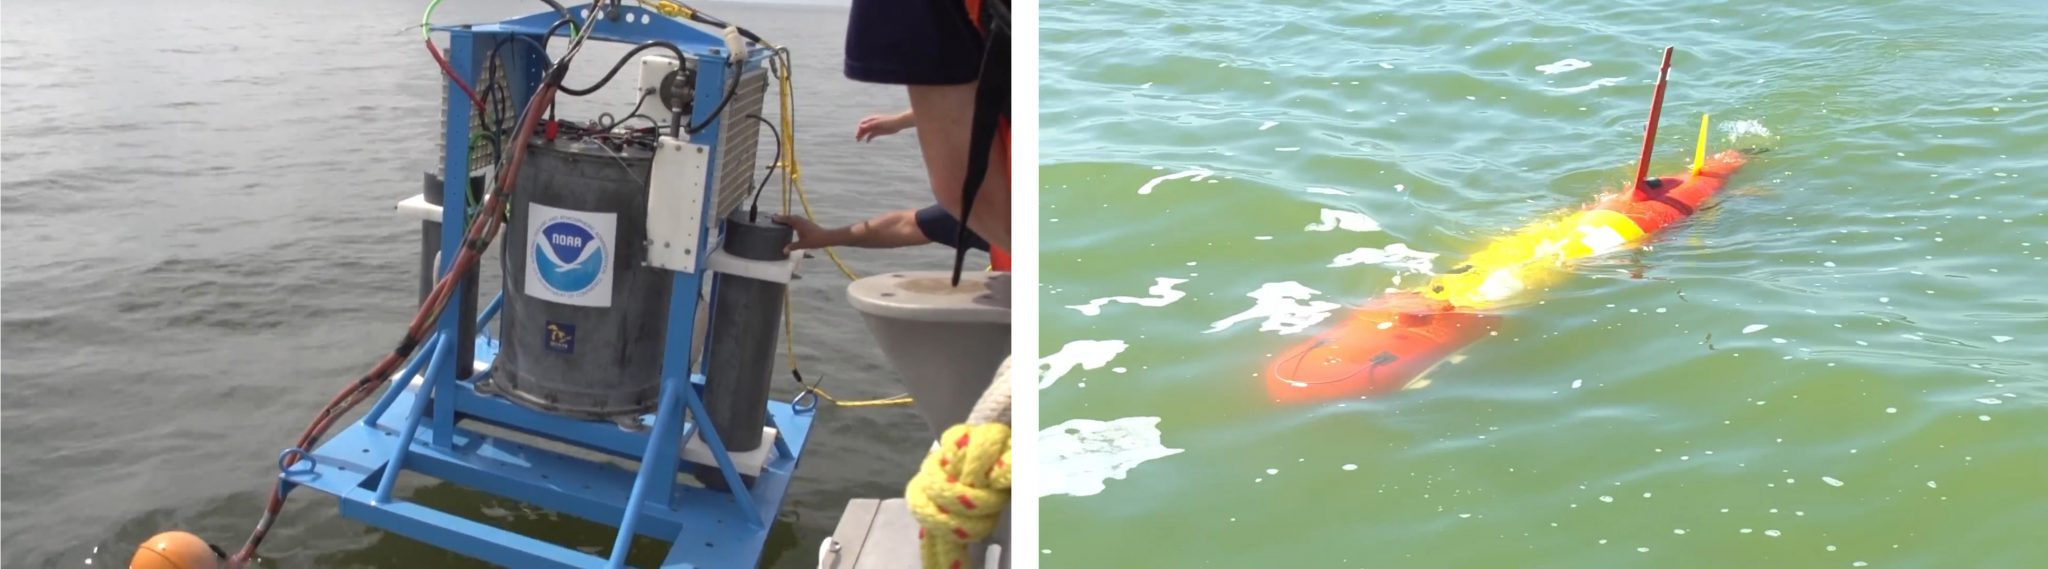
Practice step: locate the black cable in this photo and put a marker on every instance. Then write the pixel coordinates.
(495, 117)
(732, 88)
(551, 32)
(753, 211)
(650, 120)
(492, 119)
(558, 8)
(622, 64)
(731, 91)
(602, 126)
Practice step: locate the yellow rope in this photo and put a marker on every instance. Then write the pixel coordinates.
(959, 494)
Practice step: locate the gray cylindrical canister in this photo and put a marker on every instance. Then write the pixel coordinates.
(745, 314)
(584, 319)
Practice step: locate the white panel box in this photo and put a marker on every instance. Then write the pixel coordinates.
(653, 69)
(675, 204)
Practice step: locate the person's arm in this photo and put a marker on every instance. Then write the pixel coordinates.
(886, 231)
(878, 126)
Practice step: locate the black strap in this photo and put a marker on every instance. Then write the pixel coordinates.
(991, 105)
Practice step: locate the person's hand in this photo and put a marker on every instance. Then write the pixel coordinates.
(877, 126)
(808, 234)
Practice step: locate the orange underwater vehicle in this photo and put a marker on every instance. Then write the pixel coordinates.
(1393, 341)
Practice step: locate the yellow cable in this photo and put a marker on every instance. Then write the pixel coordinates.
(792, 176)
(792, 170)
(789, 343)
(669, 8)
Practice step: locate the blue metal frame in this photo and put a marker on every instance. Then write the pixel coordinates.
(707, 528)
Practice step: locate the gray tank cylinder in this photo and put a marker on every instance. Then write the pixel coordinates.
(745, 317)
(582, 334)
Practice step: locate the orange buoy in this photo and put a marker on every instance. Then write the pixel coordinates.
(177, 550)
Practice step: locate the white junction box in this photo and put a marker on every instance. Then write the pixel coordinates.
(675, 204)
(653, 69)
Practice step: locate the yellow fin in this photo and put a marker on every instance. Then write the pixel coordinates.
(1699, 155)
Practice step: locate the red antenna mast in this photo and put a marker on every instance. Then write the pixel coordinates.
(1650, 131)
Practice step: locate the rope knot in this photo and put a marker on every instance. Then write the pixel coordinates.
(960, 493)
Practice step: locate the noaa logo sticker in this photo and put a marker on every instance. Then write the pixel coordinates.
(571, 257)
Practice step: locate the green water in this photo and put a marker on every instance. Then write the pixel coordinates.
(1891, 412)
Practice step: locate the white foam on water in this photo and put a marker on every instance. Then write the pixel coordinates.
(2001, 339)
(1355, 467)
(1563, 66)
(1754, 327)
(1396, 256)
(1931, 484)
(1333, 219)
(1281, 306)
(1267, 125)
(1990, 400)
(1778, 340)
(1194, 175)
(1386, 66)
(1080, 455)
(1831, 481)
(1745, 127)
(1578, 382)
(1162, 294)
(1327, 191)
(1596, 84)
(1607, 499)
(1085, 354)
(1772, 533)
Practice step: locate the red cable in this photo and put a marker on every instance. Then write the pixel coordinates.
(436, 300)
(450, 71)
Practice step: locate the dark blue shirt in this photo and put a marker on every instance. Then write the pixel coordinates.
(942, 228)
